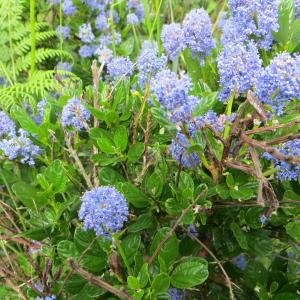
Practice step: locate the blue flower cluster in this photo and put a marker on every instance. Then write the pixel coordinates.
(86, 34)
(195, 33)
(63, 31)
(104, 54)
(148, 63)
(286, 171)
(176, 294)
(104, 210)
(7, 126)
(20, 146)
(239, 66)
(297, 9)
(68, 7)
(75, 115)
(256, 18)
(179, 151)
(279, 82)
(64, 66)
(136, 8)
(51, 297)
(132, 19)
(197, 29)
(173, 40)
(240, 261)
(120, 67)
(38, 116)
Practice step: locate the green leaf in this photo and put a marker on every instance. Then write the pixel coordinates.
(161, 283)
(108, 176)
(186, 185)
(106, 145)
(24, 119)
(144, 221)
(120, 138)
(256, 273)
(170, 250)
(133, 195)
(131, 245)
(293, 229)
(56, 175)
(239, 235)
(143, 276)
(133, 282)
(135, 151)
(28, 195)
(154, 183)
(189, 273)
(66, 249)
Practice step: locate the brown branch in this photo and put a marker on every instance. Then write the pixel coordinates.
(97, 281)
(272, 128)
(283, 139)
(234, 164)
(170, 233)
(257, 107)
(227, 278)
(291, 159)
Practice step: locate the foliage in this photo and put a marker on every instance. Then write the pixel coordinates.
(147, 183)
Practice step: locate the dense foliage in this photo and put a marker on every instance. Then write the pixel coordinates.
(150, 149)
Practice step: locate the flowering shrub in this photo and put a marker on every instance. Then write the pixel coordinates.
(154, 153)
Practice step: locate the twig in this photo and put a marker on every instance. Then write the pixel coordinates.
(272, 128)
(97, 281)
(234, 164)
(291, 159)
(172, 230)
(229, 283)
(283, 139)
(77, 161)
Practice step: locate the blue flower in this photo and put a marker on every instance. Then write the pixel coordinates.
(101, 22)
(86, 34)
(75, 115)
(240, 261)
(286, 171)
(104, 210)
(279, 82)
(106, 40)
(239, 66)
(20, 147)
(50, 297)
(104, 54)
(120, 67)
(87, 50)
(148, 63)
(170, 91)
(7, 126)
(176, 294)
(137, 7)
(297, 8)
(178, 149)
(68, 8)
(173, 40)
(132, 19)
(263, 219)
(197, 29)
(64, 66)
(63, 31)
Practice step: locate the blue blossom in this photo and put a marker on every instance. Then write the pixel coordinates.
(86, 34)
(297, 8)
(239, 66)
(231, 34)
(105, 55)
(279, 82)
(222, 19)
(106, 40)
(176, 294)
(7, 126)
(170, 91)
(178, 149)
(197, 29)
(38, 115)
(64, 66)
(137, 7)
(173, 40)
(260, 26)
(75, 115)
(132, 19)
(263, 219)
(104, 210)
(120, 67)
(286, 171)
(50, 297)
(101, 22)
(148, 63)
(21, 147)
(96, 4)
(53, 1)
(87, 50)
(240, 261)
(2, 81)
(115, 16)
(63, 31)
(68, 7)
(192, 230)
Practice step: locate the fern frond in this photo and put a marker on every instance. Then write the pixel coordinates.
(24, 45)
(42, 55)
